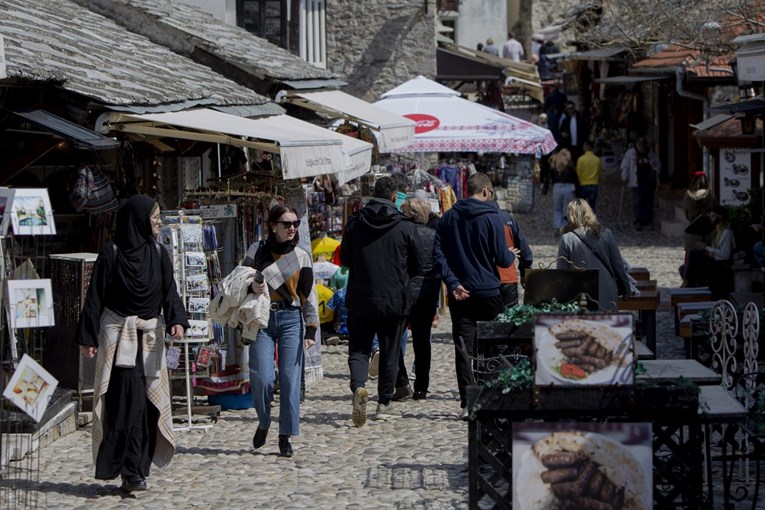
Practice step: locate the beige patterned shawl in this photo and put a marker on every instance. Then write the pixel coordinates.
(155, 369)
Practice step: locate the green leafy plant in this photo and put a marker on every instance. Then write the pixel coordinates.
(514, 378)
(524, 314)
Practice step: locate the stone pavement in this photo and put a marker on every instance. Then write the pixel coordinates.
(418, 461)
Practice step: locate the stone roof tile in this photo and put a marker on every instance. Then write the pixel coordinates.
(85, 53)
(194, 28)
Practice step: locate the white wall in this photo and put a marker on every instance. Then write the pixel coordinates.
(224, 10)
(479, 19)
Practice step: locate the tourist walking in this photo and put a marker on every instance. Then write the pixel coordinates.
(423, 292)
(588, 168)
(572, 130)
(469, 245)
(512, 49)
(509, 277)
(131, 284)
(640, 172)
(292, 323)
(564, 181)
(587, 244)
(382, 251)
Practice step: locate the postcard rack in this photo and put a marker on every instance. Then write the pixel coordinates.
(183, 237)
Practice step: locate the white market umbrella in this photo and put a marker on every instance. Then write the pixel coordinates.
(448, 123)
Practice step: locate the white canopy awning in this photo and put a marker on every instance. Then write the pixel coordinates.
(394, 130)
(306, 150)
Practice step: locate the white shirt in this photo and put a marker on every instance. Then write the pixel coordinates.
(513, 50)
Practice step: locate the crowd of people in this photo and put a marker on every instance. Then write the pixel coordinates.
(394, 257)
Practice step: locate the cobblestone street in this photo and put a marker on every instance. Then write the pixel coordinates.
(418, 461)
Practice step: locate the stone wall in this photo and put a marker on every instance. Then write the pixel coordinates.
(376, 45)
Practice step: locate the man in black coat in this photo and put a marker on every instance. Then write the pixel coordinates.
(381, 249)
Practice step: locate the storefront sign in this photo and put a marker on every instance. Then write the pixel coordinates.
(217, 212)
(735, 176)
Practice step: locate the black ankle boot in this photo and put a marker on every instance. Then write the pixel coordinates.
(259, 439)
(285, 448)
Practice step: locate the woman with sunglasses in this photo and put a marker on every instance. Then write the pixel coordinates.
(292, 325)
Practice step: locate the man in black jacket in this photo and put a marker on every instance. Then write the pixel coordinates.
(381, 249)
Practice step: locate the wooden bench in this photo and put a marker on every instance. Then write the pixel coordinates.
(640, 273)
(645, 304)
(686, 315)
(689, 295)
(645, 285)
(642, 351)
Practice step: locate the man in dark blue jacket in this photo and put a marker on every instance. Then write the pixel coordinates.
(382, 251)
(470, 245)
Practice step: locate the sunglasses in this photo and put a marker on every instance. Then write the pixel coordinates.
(288, 224)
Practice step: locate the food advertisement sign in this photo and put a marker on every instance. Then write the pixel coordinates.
(735, 176)
(582, 465)
(584, 350)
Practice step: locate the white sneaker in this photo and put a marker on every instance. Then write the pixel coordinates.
(386, 412)
(360, 398)
(374, 364)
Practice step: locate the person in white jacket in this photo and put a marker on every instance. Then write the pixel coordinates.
(640, 172)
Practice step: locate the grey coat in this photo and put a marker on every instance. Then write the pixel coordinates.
(573, 249)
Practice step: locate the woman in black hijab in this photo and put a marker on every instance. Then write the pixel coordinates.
(131, 284)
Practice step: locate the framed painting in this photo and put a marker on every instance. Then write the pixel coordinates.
(6, 202)
(30, 303)
(30, 388)
(31, 213)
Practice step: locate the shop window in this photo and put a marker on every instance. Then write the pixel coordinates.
(264, 18)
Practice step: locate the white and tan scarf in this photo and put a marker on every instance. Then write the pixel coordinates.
(115, 330)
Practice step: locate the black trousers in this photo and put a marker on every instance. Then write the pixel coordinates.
(361, 331)
(509, 294)
(464, 315)
(130, 424)
(421, 323)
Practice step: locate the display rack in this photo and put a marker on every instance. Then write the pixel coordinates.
(183, 237)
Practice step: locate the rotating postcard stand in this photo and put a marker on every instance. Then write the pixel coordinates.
(183, 238)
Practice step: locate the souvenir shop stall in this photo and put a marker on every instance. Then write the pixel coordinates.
(469, 137)
(30, 394)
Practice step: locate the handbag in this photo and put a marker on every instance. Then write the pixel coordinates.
(621, 287)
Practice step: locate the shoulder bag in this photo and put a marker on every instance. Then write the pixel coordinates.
(621, 286)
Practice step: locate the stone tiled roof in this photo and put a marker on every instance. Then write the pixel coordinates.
(186, 29)
(674, 55)
(85, 53)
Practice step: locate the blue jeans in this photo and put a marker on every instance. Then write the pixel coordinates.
(285, 329)
(563, 193)
(589, 192)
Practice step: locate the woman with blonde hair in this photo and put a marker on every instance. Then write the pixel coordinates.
(585, 243)
(423, 293)
(564, 181)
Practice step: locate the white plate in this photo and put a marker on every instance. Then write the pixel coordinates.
(549, 357)
(536, 495)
